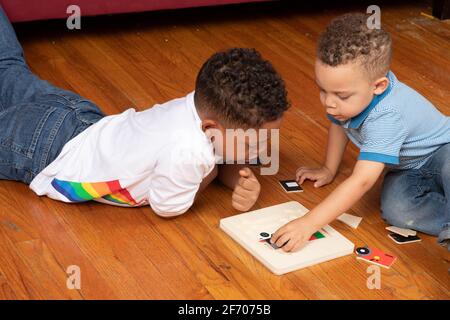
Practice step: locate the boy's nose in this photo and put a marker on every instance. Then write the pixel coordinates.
(331, 109)
(329, 104)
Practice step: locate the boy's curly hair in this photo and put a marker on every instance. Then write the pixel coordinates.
(241, 88)
(347, 39)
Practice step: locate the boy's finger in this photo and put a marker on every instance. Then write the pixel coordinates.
(282, 240)
(290, 246)
(276, 235)
(239, 203)
(241, 181)
(300, 172)
(252, 175)
(302, 169)
(299, 244)
(238, 206)
(247, 194)
(238, 198)
(249, 184)
(305, 176)
(302, 179)
(245, 172)
(242, 201)
(318, 183)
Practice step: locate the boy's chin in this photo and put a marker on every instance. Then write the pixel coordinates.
(232, 160)
(341, 118)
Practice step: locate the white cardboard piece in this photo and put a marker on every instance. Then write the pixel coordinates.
(401, 231)
(350, 220)
(245, 229)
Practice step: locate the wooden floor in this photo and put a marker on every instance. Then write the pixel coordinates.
(138, 60)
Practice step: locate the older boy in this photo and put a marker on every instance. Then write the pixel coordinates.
(67, 149)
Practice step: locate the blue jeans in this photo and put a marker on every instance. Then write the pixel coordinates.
(36, 118)
(419, 199)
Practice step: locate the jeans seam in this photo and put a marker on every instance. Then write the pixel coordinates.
(13, 147)
(38, 132)
(84, 121)
(51, 139)
(80, 129)
(72, 101)
(29, 172)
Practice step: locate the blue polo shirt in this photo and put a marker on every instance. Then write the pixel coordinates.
(399, 128)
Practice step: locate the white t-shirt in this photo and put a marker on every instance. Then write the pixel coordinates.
(158, 156)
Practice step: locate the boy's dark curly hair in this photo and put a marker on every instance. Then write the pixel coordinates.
(241, 88)
(347, 39)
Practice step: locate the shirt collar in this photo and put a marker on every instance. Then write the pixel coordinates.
(191, 103)
(356, 121)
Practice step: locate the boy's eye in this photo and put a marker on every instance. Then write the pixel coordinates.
(344, 98)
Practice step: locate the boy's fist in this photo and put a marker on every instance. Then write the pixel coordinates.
(246, 191)
(321, 176)
(293, 235)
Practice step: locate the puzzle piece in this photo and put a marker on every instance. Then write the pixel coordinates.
(290, 186)
(402, 231)
(350, 220)
(317, 235)
(375, 256)
(265, 237)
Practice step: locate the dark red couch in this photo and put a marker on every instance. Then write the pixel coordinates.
(27, 10)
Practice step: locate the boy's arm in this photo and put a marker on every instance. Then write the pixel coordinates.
(297, 232)
(206, 181)
(229, 174)
(364, 176)
(243, 182)
(337, 141)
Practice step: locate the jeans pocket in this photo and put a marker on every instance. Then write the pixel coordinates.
(21, 128)
(88, 113)
(65, 98)
(422, 180)
(414, 181)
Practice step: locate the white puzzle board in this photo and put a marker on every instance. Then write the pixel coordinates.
(246, 228)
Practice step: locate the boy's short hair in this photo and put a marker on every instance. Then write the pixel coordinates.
(348, 39)
(241, 88)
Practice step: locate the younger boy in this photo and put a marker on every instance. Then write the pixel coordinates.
(67, 149)
(393, 126)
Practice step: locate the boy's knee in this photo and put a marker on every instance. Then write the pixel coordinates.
(13, 59)
(446, 171)
(443, 154)
(390, 213)
(395, 208)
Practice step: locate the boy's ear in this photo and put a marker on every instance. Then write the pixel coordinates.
(209, 124)
(381, 84)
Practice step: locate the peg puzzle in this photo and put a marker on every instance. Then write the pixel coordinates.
(252, 230)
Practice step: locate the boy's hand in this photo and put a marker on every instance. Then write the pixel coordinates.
(297, 233)
(321, 176)
(246, 191)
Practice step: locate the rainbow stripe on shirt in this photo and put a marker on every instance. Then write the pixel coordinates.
(85, 191)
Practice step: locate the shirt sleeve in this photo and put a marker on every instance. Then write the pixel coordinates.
(383, 136)
(176, 179)
(333, 119)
